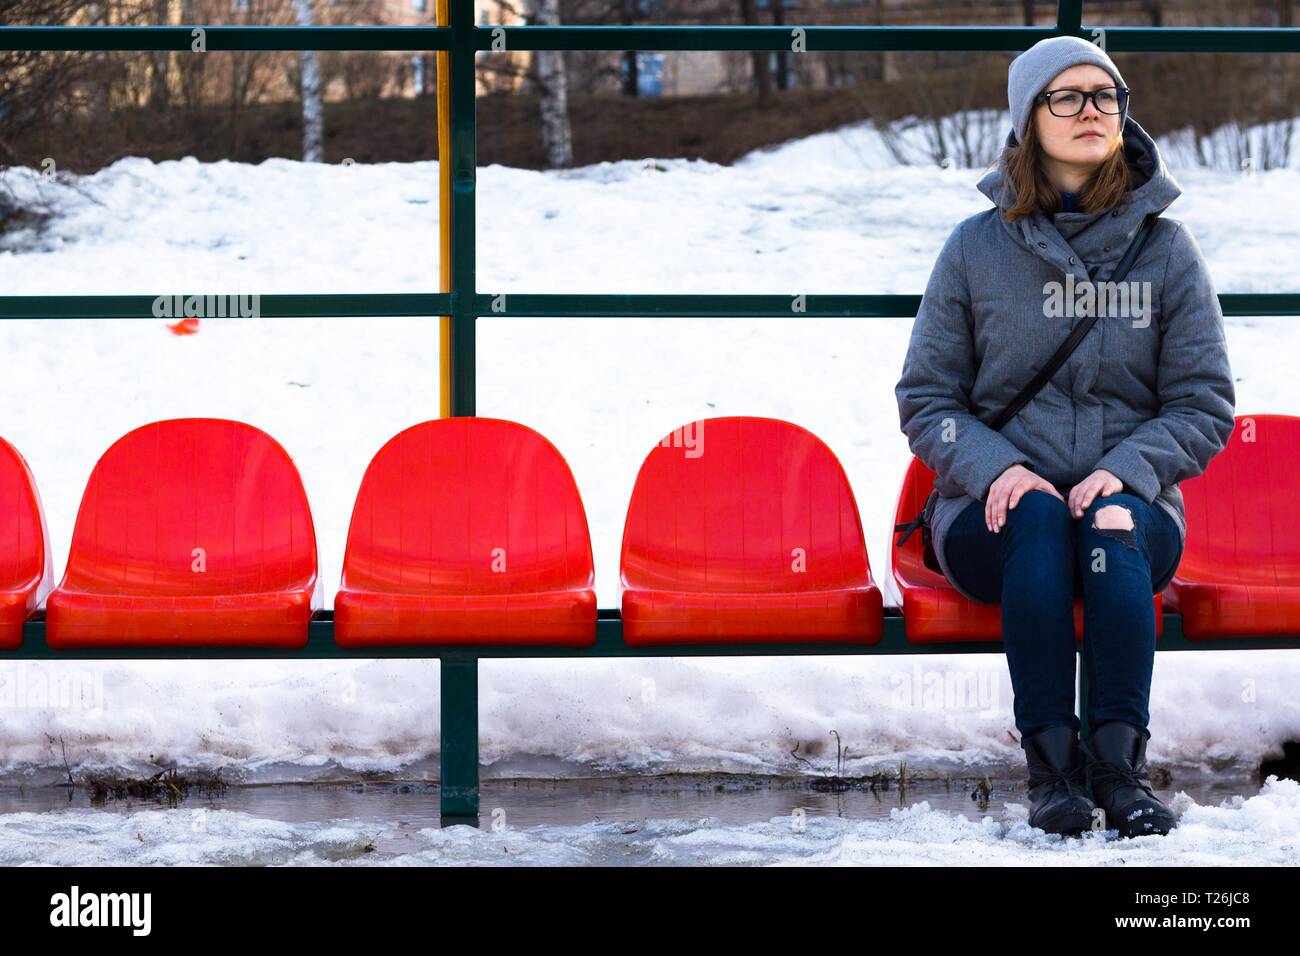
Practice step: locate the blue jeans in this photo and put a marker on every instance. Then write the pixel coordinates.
(1035, 566)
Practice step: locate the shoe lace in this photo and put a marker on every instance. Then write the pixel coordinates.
(1103, 772)
(1072, 780)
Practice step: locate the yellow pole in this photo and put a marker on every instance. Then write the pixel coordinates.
(444, 212)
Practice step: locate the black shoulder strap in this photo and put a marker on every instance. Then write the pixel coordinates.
(1079, 331)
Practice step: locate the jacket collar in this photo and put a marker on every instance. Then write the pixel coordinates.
(1096, 239)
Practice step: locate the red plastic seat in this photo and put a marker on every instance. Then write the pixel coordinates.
(192, 531)
(933, 610)
(467, 531)
(26, 568)
(745, 529)
(1240, 571)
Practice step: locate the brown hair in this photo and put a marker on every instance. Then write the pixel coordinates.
(1106, 186)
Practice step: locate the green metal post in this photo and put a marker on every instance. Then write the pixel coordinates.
(459, 731)
(1069, 16)
(458, 759)
(464, 162)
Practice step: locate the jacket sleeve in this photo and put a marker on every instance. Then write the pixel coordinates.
(938, 375)
(1193, 382)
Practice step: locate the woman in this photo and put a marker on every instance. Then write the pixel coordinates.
(1077, 495)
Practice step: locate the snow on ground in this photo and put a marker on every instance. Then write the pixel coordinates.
(1263, 830)
(805, 217)
(1212, 712)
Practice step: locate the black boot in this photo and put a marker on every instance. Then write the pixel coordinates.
(1117, 763)
(1057, 795)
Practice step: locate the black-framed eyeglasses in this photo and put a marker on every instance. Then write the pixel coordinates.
(1066, 102)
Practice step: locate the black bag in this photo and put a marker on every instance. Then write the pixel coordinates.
(924, 516)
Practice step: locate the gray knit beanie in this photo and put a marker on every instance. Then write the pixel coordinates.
(1033, 69)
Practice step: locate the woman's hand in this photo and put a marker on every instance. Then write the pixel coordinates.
(1100, 482)
(1006, 490)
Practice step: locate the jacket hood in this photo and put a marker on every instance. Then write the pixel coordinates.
(1096, 240)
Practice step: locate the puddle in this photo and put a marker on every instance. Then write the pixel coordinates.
(389, 818)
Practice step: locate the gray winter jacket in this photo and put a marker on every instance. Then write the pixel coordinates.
(1147, 396)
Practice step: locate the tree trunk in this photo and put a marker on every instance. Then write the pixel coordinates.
(161, 61)
(783, 57)
(313, 124)
(557, 140)
(762, 75)
(631, 82)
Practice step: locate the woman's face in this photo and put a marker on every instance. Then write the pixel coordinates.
(1083, 140)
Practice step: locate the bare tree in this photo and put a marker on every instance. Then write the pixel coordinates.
(557, 140)
(160, 62)
(782, 56)
(762, 74)
(629, 14)
(313, 123)
(37, 88)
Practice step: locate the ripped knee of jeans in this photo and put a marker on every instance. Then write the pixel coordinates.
(1115, 521)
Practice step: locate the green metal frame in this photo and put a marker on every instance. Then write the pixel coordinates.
(459, 781)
